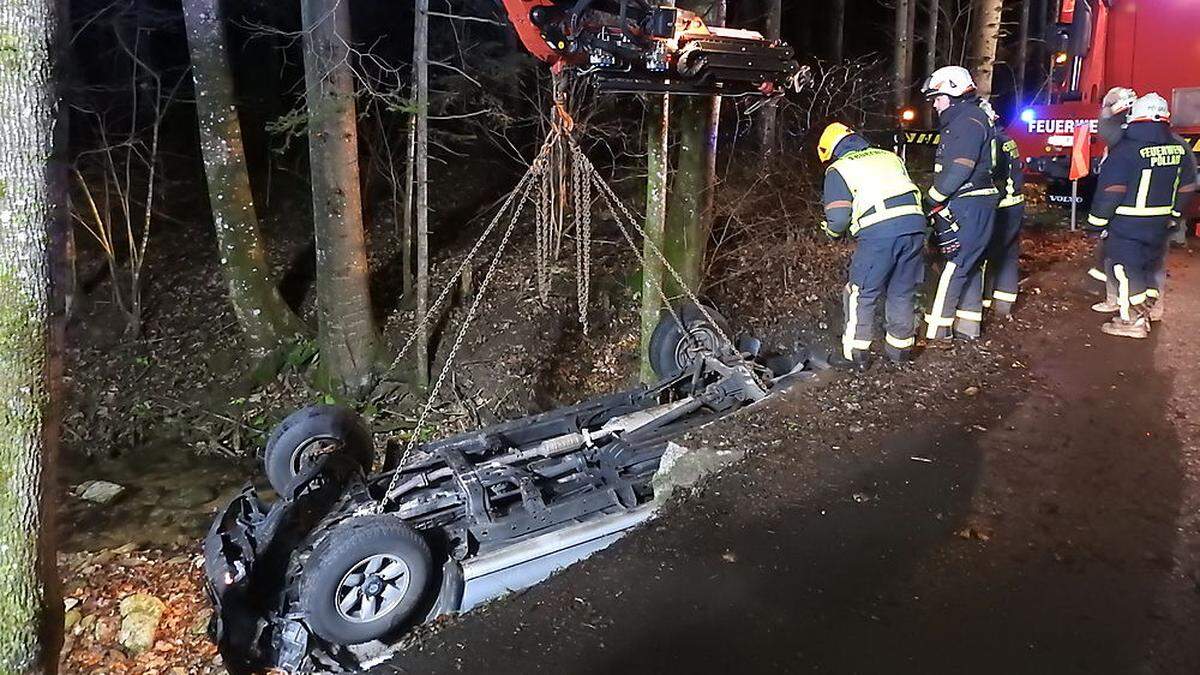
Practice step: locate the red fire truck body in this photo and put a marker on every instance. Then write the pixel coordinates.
(1148, 45)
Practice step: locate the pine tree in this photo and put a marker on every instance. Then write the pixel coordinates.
(261, 311)
(690, 209)
(30, 607)
(985, 36)
(349, 339)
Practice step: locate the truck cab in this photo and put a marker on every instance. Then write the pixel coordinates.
(1149, 45)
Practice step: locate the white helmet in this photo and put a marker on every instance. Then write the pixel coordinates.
(1150, 108)
(949, 80)
(1119, 99)
(988, 110)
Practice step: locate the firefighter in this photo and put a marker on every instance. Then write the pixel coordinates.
(1001, 271)
(1176, 233)
(868, 193)
(1114, 114)
(962, 201)
(1144, 181)
(1114, 117)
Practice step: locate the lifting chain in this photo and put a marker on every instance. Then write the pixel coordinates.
(544, 239)
(581, 188)
(537, 185)
(521, 188)
(619, 209)
(539, 167)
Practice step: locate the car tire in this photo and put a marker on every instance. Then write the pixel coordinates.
(310, 431)
(669, 356)
(365, 580)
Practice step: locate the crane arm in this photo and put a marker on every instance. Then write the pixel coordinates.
(637, 46)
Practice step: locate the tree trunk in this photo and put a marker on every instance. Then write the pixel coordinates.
(902, 60)
(63, 277)
(912, 40)
(770, 111)
(693, 189)
(406, 222)
(933, 19)
(261, 311)
(838, 31)
(689, 214)
(349, 340)
(985, 36)
(657, 165)
(30, 605)
(421, 78)
(934, 10)
(1022, 65)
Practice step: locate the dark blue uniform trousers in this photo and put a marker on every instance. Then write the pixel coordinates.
(891, 267)
(1002, 273)
(958, 300)
(1136, 260)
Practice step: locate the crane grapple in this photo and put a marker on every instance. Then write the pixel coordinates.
(636, 46)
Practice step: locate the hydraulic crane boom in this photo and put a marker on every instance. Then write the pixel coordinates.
(636, 46)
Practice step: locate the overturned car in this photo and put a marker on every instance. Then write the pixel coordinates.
(344, 561)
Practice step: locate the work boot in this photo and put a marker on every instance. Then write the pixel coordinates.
(1157, 310)
(1138, 328)
(1106, 307)
(858, 364)
(1002, 308)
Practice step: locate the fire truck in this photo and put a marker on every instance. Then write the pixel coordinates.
(1149, 45)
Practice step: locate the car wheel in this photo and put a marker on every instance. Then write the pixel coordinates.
(674, 347)
(309, 433)
(365, 580)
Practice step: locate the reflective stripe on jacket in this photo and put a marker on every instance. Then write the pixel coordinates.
(1010, 174)
(1140, 182)
(878, 183)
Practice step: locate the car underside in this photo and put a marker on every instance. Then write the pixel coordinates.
(344, 560)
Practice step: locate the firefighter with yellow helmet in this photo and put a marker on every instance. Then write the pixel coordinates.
(869, 195)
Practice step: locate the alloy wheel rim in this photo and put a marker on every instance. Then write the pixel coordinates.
(372, 588)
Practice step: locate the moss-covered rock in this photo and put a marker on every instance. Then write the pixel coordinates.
(140, 615)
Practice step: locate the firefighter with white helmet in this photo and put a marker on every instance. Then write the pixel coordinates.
(963, 202)
(1144, 182)
(1001, 265)
(869, 194)
(1114, 117)
(1114, 113)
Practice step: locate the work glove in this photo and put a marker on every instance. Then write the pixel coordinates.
(828, 232)
(945, 235)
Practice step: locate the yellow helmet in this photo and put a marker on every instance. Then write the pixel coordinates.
(833, 134)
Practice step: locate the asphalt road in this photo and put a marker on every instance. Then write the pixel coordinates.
(1035, 516)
